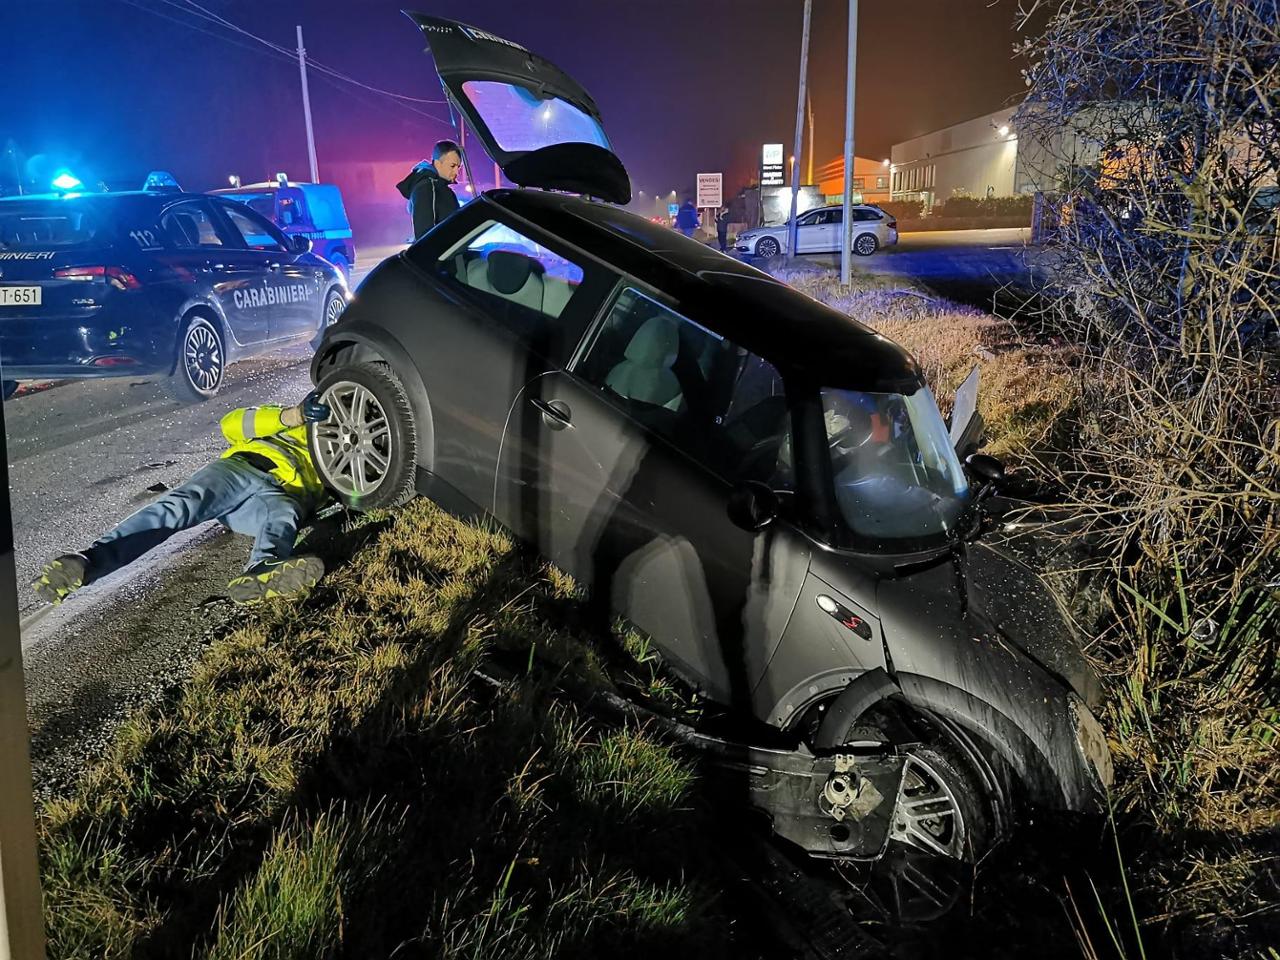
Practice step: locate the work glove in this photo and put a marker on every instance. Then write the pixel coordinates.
(313, 410)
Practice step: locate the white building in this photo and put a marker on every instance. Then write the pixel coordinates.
(977, 158)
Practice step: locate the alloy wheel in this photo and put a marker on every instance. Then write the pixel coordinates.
(927, 815)
(333, 310)
(353, 446)
(202, 357)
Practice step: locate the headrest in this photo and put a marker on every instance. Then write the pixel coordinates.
(655, 344)
(509, 272)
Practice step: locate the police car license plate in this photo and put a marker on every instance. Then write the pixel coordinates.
(19, 296)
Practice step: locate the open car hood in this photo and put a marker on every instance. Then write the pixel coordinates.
(534, 120)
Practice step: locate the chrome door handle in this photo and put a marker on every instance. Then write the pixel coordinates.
(273, 267)
(555, 413)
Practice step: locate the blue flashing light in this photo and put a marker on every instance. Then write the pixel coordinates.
(160, 180)
(65, 181)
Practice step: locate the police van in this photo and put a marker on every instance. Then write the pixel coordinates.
(311, 210)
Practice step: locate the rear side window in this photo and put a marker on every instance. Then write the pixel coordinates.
(189, 226)
(519, 282)
(50, 224)
(257, 233)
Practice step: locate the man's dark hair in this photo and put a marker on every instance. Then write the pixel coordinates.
(445, 147)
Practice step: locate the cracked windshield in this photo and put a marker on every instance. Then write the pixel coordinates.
(448, 448)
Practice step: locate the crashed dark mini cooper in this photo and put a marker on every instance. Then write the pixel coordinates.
(762, 485)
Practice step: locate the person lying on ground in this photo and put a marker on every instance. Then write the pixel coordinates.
(264, 486)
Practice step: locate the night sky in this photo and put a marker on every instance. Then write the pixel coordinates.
(684, 85)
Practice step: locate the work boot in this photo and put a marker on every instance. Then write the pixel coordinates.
(276, 578)
(60, 577)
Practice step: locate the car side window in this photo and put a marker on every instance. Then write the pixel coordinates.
(257, 233)
(522, 284)
(864, 216)
(718, 402)
(808, 220)
(190, 226)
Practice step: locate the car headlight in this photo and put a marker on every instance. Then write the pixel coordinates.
(1091, 741)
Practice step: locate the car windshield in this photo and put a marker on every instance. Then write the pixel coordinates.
(47, 224)
(520, 121)
(898, 482)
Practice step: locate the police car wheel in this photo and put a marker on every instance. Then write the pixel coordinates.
(334, 304)
(366, 452)
(201, 361)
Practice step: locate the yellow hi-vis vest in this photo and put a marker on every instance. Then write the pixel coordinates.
(260, 430)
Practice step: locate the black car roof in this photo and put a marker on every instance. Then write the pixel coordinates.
(739, 302)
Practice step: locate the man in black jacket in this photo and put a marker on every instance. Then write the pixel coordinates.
(427, 187)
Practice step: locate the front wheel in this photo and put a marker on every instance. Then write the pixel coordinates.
(865, 244)
(366, 452)
(334, 304)
(201, 362)
(767, 247)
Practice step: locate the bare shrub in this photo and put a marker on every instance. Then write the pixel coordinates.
(1159, 120)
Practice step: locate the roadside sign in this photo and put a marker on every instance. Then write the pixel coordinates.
(771, 165)
(673, 209)
(710, 190)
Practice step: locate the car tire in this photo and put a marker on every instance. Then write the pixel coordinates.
(366, 452)
(8, 388)
(767, 247)
(201, 361)
(865, 244)
(334, 304)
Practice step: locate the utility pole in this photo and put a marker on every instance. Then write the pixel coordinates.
(813, 137)
(799, 141)
(306, 108)
(846, 223)
(21, 917)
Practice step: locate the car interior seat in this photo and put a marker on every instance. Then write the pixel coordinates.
(645, 372)
(512, 276)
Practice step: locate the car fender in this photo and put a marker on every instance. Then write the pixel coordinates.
(372, 341)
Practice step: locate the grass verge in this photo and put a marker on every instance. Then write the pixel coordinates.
(330, 783)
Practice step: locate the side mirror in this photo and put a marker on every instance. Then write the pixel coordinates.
(753, 505)
(987, 469)
(300, 244)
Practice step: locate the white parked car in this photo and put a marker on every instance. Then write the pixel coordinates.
(819, 231)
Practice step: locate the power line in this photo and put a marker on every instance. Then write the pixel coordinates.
(324, 68)
(276, 51)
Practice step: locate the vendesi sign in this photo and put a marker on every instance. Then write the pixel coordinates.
(771, 165)
(710, 191)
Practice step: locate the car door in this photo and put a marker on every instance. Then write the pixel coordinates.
(809, 232)
(620, 471)
(206, 247)
(286, 291)
(511, 305)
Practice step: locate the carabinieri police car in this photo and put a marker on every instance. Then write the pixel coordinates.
(151, 282)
